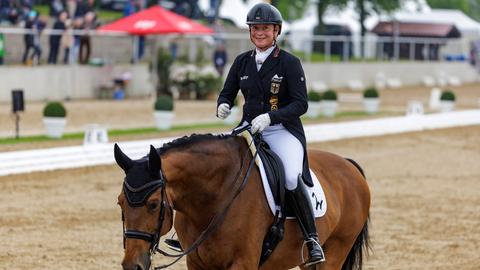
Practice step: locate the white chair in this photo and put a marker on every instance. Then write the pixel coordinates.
(394, 83)
(434, 102)
(454, 81)
(319, 86)
(414, 107)
(380, 80)
(355, 85)
(428, 81)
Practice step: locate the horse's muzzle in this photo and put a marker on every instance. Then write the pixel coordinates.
(140, 263)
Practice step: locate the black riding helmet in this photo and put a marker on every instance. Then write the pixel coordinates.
(263, 13)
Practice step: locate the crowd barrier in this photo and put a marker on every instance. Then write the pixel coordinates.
(102, 154)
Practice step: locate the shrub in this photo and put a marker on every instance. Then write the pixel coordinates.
(370, 93)
(330, 95)
(54, 109)
(164, 103)
(447, 95)
(314, 96)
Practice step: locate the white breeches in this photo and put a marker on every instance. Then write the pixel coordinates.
(289, 149)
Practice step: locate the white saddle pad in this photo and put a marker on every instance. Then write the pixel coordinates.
(317, 196)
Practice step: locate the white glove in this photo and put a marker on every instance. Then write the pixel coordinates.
(260, 123)
(223, 111)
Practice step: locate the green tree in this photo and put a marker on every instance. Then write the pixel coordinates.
(291, 10)
(469, 7)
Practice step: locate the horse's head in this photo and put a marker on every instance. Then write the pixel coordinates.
(146, 213)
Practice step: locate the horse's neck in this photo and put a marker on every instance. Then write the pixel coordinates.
(202, 181)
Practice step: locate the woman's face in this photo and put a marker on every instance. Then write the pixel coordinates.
(262, 35)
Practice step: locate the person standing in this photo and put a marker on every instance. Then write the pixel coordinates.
(58, 26)
(220, 59)
(85, 43)
(274, 86)
(2, 48)
(28, 37)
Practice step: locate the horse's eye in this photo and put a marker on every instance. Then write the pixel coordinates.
(152, 205)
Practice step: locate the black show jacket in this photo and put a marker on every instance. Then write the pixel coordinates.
(278, 88)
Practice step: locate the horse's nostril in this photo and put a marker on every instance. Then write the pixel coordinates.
(132, 267)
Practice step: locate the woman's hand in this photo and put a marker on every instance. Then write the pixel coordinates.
(260, 122)
(223, 111)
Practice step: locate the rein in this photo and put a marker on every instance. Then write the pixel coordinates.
(154, 238)
(217, 219)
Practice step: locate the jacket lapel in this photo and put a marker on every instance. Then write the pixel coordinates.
(270, 62)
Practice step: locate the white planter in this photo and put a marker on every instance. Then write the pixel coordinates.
(54, 126)
(233, 117)
(163, 119)
(329, 107)
(371, 105)
(447, 105)
(314, 109)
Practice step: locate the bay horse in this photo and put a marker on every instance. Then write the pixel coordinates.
(221, 214)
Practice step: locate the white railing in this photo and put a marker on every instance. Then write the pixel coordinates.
(118, 47)
(102, 154)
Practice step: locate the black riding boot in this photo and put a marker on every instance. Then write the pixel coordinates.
(303, 210)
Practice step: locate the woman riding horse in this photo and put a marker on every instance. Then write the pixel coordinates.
(274, 86)
(221, 214)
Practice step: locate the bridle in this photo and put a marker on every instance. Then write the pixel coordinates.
(154, 238)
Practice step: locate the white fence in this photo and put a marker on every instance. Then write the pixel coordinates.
(119, 47)
(100, 154)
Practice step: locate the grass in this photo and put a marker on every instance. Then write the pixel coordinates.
(186, 127)
(112, 133)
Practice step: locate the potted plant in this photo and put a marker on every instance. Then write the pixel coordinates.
(54, 119)
(234, 112)
(447, 101)
(371, 100)
(163, 112)
(329, 103)
(314, 104)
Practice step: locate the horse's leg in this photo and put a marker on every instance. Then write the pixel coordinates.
(336, 251)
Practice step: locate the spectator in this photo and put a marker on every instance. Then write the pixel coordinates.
(84, 7)
(2, 48)
(67, 42)
(74, 51)
(4, 9)
(85, 45)
(71, 7)
(56, 6)
(28, 37)
(220, 58)
(38, 27)
(173, 47)
(55, 38)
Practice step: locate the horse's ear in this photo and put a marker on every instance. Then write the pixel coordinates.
(122, 160)
(154, 163)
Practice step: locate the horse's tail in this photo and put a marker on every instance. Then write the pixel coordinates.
(360, 248)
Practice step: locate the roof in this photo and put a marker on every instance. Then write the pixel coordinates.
(436, 30)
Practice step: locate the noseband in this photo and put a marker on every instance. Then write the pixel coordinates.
(137, 197)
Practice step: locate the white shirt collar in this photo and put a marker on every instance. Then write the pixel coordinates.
(260, 56)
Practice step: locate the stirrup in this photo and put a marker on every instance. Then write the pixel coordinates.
(315, 260)
(173, 244)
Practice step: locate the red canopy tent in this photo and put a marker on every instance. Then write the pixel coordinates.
(155, 20)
